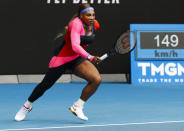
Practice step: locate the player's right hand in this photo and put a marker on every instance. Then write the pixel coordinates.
(96, 60)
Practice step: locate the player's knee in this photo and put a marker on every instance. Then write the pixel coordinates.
(97, 80)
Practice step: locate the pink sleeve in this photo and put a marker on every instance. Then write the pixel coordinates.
(75, 40)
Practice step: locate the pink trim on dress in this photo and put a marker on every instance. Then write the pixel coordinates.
(57, 61)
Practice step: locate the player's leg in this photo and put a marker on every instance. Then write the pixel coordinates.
(50, 78)
(87, 71)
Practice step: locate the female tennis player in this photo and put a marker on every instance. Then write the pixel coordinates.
(71, 55)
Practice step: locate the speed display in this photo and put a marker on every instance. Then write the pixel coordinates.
(161, 45)
(162, 40)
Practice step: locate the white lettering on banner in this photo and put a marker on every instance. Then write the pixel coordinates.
(76, 1)
(144, 65)
(179, 80)
(56, 1)
(180, 69)
(85, 1)
(92, 1)
(155, 70)
(115, 2)
(99, 1)
(147, 80)
(170, 69)
(106, 2)
(162, 80)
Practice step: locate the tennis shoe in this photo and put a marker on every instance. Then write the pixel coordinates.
(78, 111)
(21, 114)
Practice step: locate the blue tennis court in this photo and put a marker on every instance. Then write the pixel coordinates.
(114, 107)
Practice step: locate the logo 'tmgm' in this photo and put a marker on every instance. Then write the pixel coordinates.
(84, 1)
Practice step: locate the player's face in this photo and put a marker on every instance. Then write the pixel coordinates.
(88, 17)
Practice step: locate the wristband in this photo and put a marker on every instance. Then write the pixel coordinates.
(90, 58)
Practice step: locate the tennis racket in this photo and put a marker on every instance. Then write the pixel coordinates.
(122, 45)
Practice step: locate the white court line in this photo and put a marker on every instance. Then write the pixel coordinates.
(123, 124)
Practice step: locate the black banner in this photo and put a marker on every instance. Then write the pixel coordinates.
(29, 26)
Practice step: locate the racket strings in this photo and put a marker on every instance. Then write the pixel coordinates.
(123, 43)
(118, 48)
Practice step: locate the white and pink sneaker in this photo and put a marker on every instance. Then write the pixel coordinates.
(78, 111)
(21, 114)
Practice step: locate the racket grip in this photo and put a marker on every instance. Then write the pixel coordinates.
(104, 56)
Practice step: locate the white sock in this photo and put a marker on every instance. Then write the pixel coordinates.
(27, 104)
(79, 102)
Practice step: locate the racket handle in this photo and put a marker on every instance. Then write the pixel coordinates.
(104, 56)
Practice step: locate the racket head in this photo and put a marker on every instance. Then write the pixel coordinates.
(123, 44)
